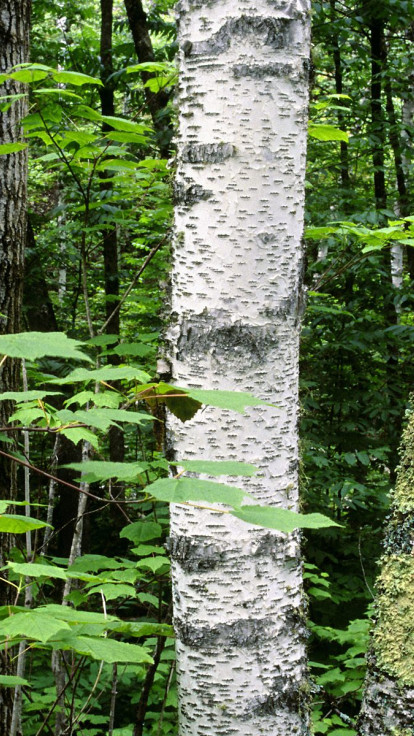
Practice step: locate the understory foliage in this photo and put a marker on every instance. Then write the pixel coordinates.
(86, 640)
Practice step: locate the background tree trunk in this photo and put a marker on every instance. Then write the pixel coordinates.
(14, 48)
(388, 705)
(236, 295)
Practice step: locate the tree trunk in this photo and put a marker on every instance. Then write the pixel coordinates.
(377, 115)
(156, 101)
(14, 43)
(388, 704)
(109, 234)
(236, 306)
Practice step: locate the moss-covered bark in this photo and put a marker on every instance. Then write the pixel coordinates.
(388, 706)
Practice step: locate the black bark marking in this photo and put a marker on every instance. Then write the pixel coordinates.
(189, 193)
(273, 32)
(207, 152)
(260, 71)
(284, 693)
(236, 342)
(193, 556)
(243, 633)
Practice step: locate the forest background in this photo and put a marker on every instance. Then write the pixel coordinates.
(97, 262)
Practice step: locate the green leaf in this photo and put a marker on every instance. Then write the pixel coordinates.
(15, 524)
(124, 125)
(147, 66)
(93, 563)
(139, 349)
(13, 681)
(111, 591)
(27, 395)
(323, 132)
(94, 470)
(281, 519)
(81, 434)
(34, 570)
(34, 345)
(141, 531)
(147, 629)
(184, 490)
(29, 75)
(155, 564)
(233, 400)
(57, 92)
(6, 148)
(108, 650)
(108, 373)
(75, 78)
(32, 625)
(75, 616)
(217, 467)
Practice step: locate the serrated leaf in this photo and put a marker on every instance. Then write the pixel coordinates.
(102, 470)
(233, 400)
(16, 524)
(34, 570)
(147, 629)
(147, 66)
(217, 467)
(6, 148)
(281, 519)
(123, 125)
(56, 92)
(13, 681)
(32, 625)
(20, 396)
(184, 490)
(75, 616)
(111, 591)
(94, 563)
(80, 434)
(136, 349)
(29, 75)
(324, 132)
(107, 374)
(34, 345)
(76, 78)
(155, 564)
(141, 531)
(108, 650)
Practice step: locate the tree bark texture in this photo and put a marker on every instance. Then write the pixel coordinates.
(377, 116)
(388, 704)
(14, 30)
(236, 307)
(156, 101)
(14, 40)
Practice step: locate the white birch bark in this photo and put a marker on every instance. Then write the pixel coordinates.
(236, 296)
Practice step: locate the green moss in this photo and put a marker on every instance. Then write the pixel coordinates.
(403, 501)
(394, 633)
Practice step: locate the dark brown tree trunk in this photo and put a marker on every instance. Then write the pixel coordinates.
(39, 314)
(156, 101)
(14, 49)
(377, 117)
(336, 52)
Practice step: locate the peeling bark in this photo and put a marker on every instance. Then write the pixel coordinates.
(236, 309)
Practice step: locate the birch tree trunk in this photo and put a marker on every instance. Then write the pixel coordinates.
(236, 305)
(388, 704)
